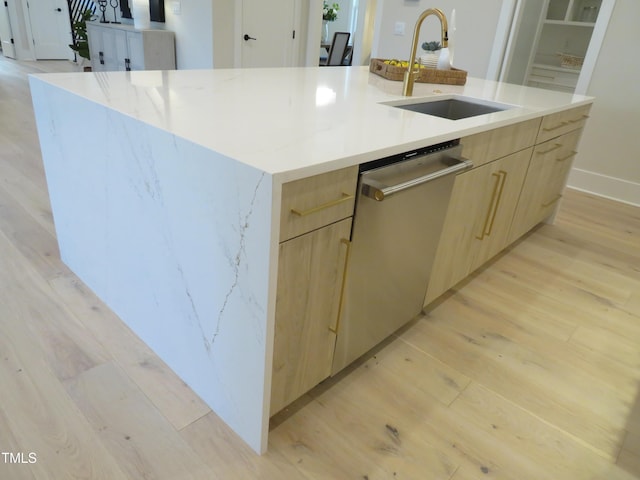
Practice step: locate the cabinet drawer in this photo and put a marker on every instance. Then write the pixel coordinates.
(488, 146)
(313, 202)
(560, 123)
(545, 181)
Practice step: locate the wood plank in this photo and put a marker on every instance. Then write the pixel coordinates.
(386, 431)
(33, 241)
(167, 391)
(536, 379)
(68, 347)
(559, 454)
(33, 198)
(229, 457)
(10, 445)
(132, 429)
(42, 417)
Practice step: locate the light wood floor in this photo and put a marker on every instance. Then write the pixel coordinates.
(530, 370)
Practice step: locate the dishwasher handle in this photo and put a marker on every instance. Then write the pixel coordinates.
(379, 191)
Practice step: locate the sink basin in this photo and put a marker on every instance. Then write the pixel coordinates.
(452, 108)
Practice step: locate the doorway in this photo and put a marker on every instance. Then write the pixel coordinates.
(50, 28)
(6, 37)
(552, 44)
(268, 37)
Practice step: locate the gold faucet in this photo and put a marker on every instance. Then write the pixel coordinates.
(410, 74)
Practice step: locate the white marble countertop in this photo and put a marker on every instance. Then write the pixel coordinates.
(296, 122)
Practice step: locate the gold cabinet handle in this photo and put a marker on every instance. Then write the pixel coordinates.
(303, 213)
(556, 146)
(495, 210)
(548, 204)
(346, 242)
(501, 178)
(572, 154)
(560, 125)
(583, 117)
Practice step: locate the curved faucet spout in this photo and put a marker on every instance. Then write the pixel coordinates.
(410, 74)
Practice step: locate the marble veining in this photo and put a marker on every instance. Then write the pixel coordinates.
(175, 239)
(236, 263)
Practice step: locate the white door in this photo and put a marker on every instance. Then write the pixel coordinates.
(50, 29)
(267, 33)
(6, 37)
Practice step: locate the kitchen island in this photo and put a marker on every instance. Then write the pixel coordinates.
(171, 211)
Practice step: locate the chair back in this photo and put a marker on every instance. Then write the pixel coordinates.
(338, 48)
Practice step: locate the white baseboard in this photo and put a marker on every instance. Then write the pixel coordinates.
(605, 186)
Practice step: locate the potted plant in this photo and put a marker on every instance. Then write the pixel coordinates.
(80, 40)
(432, 53)
(329, 14)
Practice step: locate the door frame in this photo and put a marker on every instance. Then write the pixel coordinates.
(6, 20)
(308, 23)
(505, 35)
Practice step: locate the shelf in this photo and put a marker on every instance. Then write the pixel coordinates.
(556, 68)
(566, 23)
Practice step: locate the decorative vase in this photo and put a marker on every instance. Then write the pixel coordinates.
(325, 31)
(430, 59)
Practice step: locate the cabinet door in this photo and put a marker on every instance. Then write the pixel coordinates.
(136, 51)
(491, 233)
(109, 49)
(121, 49)
(311, 271)
(544, 182)
(94, 37)
(478, 220)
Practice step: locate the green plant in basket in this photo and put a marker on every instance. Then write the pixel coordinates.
(431, 46)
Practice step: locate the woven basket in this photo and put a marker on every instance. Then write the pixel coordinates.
(425, 75)
(570, 61)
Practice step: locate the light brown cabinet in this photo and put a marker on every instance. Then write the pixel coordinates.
(314, 241)
(519, 174)
(488, 146)
(545, 181)
(496, 203)
(478, 219)
(310, 275)
(557, 124)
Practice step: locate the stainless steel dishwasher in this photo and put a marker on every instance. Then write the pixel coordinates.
(400, 209)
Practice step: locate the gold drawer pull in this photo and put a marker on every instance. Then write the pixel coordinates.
(582, 118)
(548, 204)
(572, 154)
(560, 125)
(556, 146)
(347, 243)
(303, 213)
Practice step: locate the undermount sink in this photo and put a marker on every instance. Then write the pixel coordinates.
(451, 108)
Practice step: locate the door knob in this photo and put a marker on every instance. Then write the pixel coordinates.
(58, 9)
(247, 37)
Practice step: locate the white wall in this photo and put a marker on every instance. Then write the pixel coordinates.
(343, 22)
(609, 159)
(194, 32)
(476, 23)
